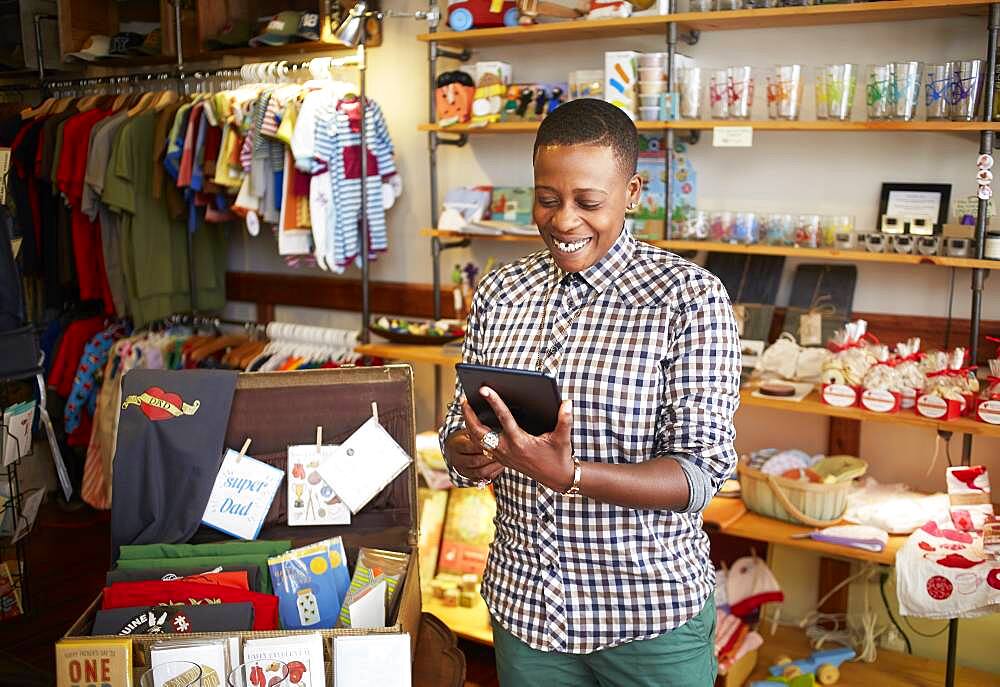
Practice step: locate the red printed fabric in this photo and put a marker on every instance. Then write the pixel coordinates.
(70, 351)
(180, 592)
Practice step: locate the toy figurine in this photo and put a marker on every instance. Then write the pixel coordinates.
(532, 9)
(453, 97)
(822, 667)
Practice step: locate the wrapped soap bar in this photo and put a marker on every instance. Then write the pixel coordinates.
(844, 371)
(911, 374)
(883, 386)
(969, 496)
(949, 391)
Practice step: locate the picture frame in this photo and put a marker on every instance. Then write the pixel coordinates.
(911, 199)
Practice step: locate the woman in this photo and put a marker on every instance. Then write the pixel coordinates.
(599, 573)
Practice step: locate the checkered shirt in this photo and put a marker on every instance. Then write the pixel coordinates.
(645, 345)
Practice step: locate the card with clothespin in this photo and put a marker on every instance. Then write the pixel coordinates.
(311, 501)
(242, 494)
(365, 464)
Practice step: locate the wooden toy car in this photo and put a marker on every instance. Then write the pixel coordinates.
(480, 14)
(824, 665)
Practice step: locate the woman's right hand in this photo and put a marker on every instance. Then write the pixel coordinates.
(467, 457)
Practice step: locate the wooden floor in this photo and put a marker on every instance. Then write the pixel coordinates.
(68, 554)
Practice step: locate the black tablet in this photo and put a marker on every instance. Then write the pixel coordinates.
(533, 397)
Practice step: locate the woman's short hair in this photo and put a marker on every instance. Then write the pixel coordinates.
(588, 121)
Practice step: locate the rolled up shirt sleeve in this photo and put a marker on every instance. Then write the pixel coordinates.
(471, 353)
(701, 391)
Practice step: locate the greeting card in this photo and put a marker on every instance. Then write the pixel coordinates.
(10, 600)
(311, 583)
(364, 465)
(311, 501)
(100, 663)
(16, 439)
(303, 654)
(211, 654)
(468, 532)
(242, 495)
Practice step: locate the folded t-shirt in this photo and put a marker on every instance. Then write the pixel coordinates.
(145, 620)
(258, 561)
(174, 573)
(179, 592)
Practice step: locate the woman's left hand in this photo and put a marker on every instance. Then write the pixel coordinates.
(547, 459)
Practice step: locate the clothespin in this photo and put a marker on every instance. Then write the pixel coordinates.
(375, 410)
(319, 438)
(243, 451)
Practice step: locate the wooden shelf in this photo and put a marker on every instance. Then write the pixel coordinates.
(787, 251)
(811, 405)
(820, 15)
(436, 355)
(890, 669)
(934, 126)
(268, 52)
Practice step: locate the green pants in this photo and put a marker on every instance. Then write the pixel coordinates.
(684, 657)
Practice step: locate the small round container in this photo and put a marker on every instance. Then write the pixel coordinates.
(649, 100)
(651, 60)
(652, 87)
(651, 74)
(695, 226)
(649, 114)
(746, 228)
(700, 5)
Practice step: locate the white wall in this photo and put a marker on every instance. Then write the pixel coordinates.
(799, 172)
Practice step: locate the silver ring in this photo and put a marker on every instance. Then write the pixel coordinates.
(491, 440)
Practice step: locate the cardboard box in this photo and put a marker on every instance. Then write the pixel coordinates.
(279, 409)
(621, 80)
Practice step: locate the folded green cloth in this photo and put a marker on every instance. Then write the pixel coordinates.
(237, 553)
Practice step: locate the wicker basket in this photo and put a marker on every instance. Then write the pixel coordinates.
(806, 503)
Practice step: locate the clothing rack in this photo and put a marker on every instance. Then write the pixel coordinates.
(255, 72)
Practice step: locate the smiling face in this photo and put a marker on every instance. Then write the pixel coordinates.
(581, 196)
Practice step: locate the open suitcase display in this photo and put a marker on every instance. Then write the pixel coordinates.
(284, 408)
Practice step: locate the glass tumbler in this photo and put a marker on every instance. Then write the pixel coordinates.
(700, 5)
(822, 101)
(718, 94)
(689, 91)
(789, 84)
(267, 672)
(740, 92)
(964, 90)
(841, 83)
(174, 673)
(936, 90)
(831, 225)
(720, 227)
(779, 229)
(878, 92)
(723, 5)
(746, 228)
(905, 90)
(772, 92)
(695, 226)
(807, 231)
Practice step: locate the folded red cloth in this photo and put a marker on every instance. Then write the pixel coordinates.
(176, 592)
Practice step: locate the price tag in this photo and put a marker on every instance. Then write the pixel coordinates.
(253, 223)
(741, 318)
(811, 329)
(732, 137)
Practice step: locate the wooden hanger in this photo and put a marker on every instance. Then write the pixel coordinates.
(165, 100)
(144, 104)
(43, 109)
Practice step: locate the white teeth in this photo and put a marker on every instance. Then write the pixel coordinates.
(571, 247)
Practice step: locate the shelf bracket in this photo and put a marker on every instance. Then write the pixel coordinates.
(692, 137)
(463, 56)
(691, 37)
(448, 245)
(458, 142)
